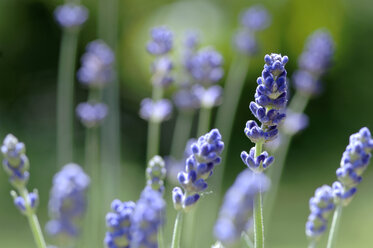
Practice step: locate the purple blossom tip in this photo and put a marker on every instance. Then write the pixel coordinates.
(161, 43)
(256, 18)
(71, 15)
(91, 114)
(158, 111)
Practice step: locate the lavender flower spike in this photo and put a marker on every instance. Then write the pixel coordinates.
(155, 111)
(198, 167)
(67, 203)
(321, 206)
(156, 173)
(354, 161)
(71, 15)
(237, 209)
(91, 114)
(119, 223)
(147, 218)
(256, 18)
(162, 41)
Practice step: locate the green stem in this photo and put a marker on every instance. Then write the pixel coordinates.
(181, 134)
(160, 238)
(153, 139)
(258, 222)
(332, 240)
(33, 221)
(204, 121)
(247, 239)
(176, 237)
(65, 95)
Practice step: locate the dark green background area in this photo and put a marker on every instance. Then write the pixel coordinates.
(29, 47)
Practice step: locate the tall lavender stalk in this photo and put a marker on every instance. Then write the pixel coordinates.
(70, 17)
(16, 165)
(270, 100)
(313, 63)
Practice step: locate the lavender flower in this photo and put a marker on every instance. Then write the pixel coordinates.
(237, 209)
(294, 122)
(147, 218)
(354, 161)
(156, 173)
(67, 203)
(321, 206)
(208, 97)
(186, 100)
(161, 69)
(206, 66)
(313, 62)
(161, 43)
(32, 200)
(256, 18)
(158, 111)
(91, 114)
(71, 15)
(97, 65)
(119, 224)
(198, 167)
(15, 163)
(245, 42)
(191, 44)
(270, 100)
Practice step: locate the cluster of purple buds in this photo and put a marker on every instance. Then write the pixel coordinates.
(148, 217)
(313, 62)
(321, 206)
(208, 97)
(67, 203)
(156, 173)
(160, 45)
(186, 100)
(97, 65)
(155, 111)
(198, 168)
(71, 16)
(28, 205)
(270, 100)
(237, 209)
(294, 122)
(252, 20)
(354, 161)
(91, 114)
(119, 224)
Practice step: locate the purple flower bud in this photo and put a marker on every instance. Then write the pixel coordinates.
(161, 43)
(245, 42)
(256, 18)
(209, 97)
(155, 111)
(71, 15)
(91, 114)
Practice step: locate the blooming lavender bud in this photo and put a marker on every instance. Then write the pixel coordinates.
(259, 163)
(71, 15)
(161, 43)
(186, 100)
(147, 218)
(306, 82)
(206, 66)
(91, 114)
(245, 42)
(321, 206)
(67, 203)
(354, 162)
(158, 111)
(256, 18)
(28, 205)
(156, 173)
(198, 167)
(161, 69)
(318, 53)
(119, 224)
(97, 65)
(15, 162)
(208, 97)
(294, 122)
(238, 204)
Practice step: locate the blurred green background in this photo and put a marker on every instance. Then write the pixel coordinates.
(29, 47)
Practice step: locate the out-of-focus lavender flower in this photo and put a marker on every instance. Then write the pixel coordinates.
(97, 65)
(91, 114)
(191, 44)
(321, 206)
(198, 167)
(71, 15)
(237, 209)
(270, 100)
(206, 66)
(156, 173)
(158, 111)
(186, 100)
(161, 69)
(147, 218)
(306, 82)
(162, 41)
(245, 42)
(354, 161)
(294, 122)
(119, 223)
(15, 163)
(208, 97)
(67, 203)
(256, 18)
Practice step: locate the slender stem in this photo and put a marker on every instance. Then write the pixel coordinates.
(65, 95)
(33, 221)
(153, 139)
(332, 240)
(181, 134)
(176, 237)
(258, 222)
(204, 120)
(160, 238)
(248, 242)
